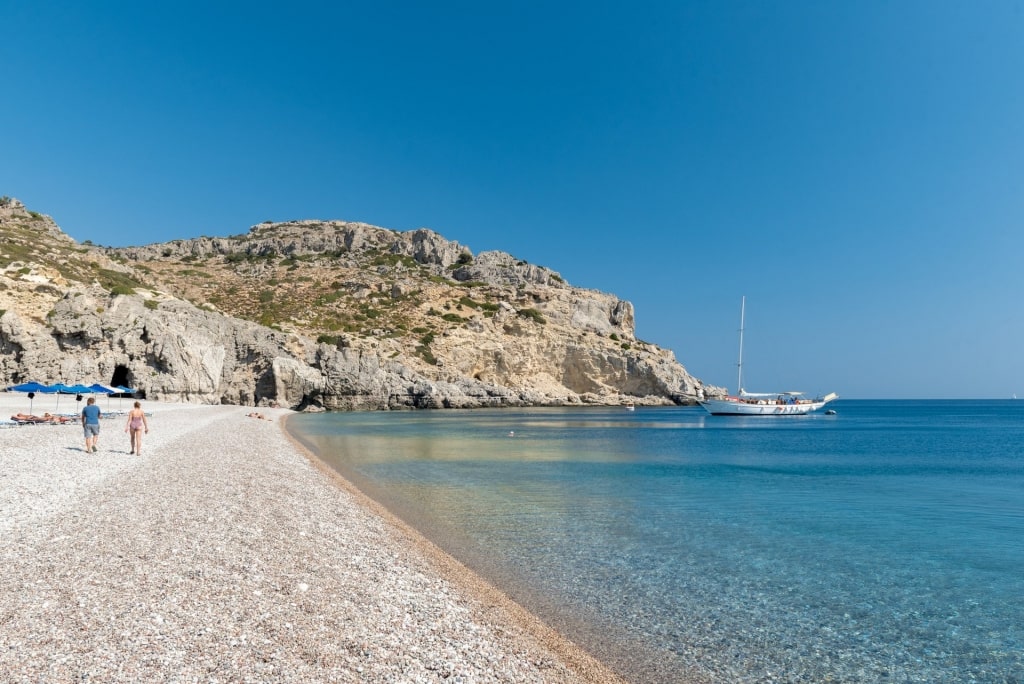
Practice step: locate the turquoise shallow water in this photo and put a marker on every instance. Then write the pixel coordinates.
(885, 543)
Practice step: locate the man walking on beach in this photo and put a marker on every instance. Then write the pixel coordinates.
(91, 424)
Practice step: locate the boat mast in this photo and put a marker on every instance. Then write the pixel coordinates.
(739, 364)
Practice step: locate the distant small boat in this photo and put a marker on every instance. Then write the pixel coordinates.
(830, 412)
(630, 407)
(761, 404)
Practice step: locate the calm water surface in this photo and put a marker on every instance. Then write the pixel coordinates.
(885, 543)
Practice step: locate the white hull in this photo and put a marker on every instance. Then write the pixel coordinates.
(747, 404)
(736, 406)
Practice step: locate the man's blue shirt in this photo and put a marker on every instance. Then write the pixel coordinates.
(91, 414)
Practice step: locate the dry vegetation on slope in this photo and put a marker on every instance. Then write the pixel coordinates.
(351, 284)
(346, 315)
(39, 263)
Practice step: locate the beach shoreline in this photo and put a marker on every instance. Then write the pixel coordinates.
(230, 552)
(499, 608)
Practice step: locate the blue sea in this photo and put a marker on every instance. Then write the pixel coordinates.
(881, 544)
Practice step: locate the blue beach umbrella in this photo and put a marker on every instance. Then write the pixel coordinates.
(31, 388)
(27, 387)
(79, 389)
(122, 390)
(98, 388)
(57, 389)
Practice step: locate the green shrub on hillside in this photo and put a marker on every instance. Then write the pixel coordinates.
(533, 314)
(194, 273)
(425, 354)
(115, 281)
(394, 260)
(489, 308)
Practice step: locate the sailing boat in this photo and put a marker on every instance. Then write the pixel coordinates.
(761, 404)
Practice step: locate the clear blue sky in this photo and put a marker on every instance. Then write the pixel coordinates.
(855, 169)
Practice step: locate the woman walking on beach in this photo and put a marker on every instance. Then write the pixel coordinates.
(136, 422)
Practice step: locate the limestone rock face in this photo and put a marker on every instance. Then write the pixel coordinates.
(175, 352)
(500, 268)
(354, 317)
(311, 237)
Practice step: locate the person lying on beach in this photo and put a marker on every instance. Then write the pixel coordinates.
(29, 418)
(45, 418)
(260, 416)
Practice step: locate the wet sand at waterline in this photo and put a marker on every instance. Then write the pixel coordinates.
(226, 553)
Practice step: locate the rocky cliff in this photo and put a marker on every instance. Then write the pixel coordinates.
(317, 314)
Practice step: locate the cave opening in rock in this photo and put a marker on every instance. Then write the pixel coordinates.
(122, 377)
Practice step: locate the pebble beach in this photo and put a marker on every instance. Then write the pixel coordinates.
(227, 553)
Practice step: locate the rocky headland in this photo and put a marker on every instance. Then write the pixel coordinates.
(317, 315)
